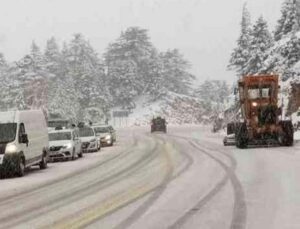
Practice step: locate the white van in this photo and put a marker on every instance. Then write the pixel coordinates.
(23, 141)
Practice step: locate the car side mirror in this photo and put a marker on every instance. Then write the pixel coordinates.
(24, 139)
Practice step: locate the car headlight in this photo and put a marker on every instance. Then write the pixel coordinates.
(69, 145)
(93, 140)
(107, 137)
(11, 149)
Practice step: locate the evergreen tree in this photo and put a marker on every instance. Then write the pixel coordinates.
(288, 21)
(261, 42)
(241, 54)
(175, 72)
(291, 51)
(53, 57)
(132, 51)
(86, 70)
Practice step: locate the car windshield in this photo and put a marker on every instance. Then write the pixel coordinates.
(158, 121)
(60, 136)
(86, 132)
(56, 123)
(7, 132)
(101, 129)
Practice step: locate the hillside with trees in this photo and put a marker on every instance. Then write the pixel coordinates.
(259, 50)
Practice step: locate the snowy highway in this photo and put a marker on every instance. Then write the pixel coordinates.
(183, 179)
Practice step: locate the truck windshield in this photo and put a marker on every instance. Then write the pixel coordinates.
(253, 93)
(7, 132)
(86, 132)
(60, 136)
(256, 93)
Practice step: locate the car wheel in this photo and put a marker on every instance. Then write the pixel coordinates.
(43, 162)
(80, 153)
(73, 155)
(21, 167)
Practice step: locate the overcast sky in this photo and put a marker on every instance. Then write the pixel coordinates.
(204, 30)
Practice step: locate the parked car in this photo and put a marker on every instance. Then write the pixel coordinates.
(64, 144)
(88, 138)
(23, 141)
(106, 134)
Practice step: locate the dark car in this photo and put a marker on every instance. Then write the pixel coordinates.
(158, 124)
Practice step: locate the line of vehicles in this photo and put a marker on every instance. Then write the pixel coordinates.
(26, 140)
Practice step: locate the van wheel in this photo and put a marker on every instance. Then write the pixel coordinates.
(20, 167)
(43, 163)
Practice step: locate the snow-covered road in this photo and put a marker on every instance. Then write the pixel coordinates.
(183, 179)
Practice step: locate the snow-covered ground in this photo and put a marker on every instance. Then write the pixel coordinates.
(183, 179)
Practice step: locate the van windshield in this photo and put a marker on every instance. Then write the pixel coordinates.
(86, 132)
(7, 132)
(60, 136)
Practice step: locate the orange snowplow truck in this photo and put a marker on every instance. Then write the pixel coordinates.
(261, 119)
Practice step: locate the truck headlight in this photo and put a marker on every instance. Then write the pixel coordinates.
(107, 137)
(93, 140)
(254, 104)
(11, 149)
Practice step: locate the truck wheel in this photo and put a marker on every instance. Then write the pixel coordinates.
(20, 167)
(43, 162)
(286, 137)
(241, 136)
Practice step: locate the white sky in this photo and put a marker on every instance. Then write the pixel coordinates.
(204, 30)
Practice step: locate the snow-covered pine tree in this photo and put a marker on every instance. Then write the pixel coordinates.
(133, 48)
(53, 57)
(291, 51)
(261, 41)
(86, 70)
(289, 20)
(62, 97)
(30, 81)
(241, 54)
(124, 84)
(175, 72)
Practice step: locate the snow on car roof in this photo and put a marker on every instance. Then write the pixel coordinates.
(61, 131)
(101, 126)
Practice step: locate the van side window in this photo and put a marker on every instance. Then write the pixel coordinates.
(21, 131)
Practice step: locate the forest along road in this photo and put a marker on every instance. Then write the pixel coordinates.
(183, 179)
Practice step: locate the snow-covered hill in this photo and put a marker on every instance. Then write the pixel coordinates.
(176, 108)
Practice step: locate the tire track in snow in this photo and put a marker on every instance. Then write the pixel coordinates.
(140, 211)
(239, 217)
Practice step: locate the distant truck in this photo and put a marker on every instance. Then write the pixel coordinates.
(23, 141)
(158, 124)
(262, 121)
